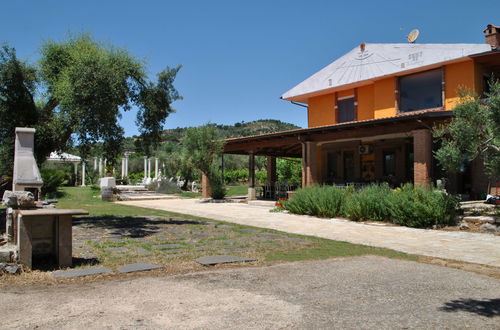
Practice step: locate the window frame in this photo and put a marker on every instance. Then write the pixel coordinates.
(354, 97)
(442, 92)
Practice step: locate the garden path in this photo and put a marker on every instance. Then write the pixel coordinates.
(468, 247)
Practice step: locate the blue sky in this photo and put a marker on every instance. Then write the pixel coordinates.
(238, 57)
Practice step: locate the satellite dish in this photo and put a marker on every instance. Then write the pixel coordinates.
(413, 35)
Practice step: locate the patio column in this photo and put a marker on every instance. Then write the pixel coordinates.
(83, 173)
(205, 186)
(126, 165)
(145, 167)
(309, 164)
(76, 173)
(251, 177)
(271, 169)
(149, 168)
(422, 156)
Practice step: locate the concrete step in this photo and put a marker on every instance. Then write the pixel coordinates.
(481, 219)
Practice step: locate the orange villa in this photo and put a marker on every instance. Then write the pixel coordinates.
(371, 111)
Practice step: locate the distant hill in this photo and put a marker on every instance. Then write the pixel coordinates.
(173, 136)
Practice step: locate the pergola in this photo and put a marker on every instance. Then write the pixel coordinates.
(64, 157)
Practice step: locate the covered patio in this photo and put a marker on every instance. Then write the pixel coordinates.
(395, 150)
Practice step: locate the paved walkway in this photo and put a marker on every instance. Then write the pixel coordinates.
(468, 247)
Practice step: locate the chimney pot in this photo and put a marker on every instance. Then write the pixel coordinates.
(492, 35)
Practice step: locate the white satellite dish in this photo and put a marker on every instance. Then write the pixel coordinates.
(412, 36)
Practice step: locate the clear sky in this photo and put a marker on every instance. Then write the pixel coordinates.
(238, 57)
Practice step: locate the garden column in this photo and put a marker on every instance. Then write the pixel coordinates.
(83, 173)
(251, 177)
(205, 186)
(95, 164)
(145, 168)
(156, 168)
(149, 168)
(105, 166)
(126, 165)
(123, 167)
(76, 174)
(271, 169)
(100, 167)
(422, 156)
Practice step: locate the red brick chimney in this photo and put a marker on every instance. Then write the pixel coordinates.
(492, 35)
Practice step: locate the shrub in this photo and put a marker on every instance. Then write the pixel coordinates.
(217, 187)
(52, 180)
(164, 187)
(422, 206)
(370, 203)
(321, 201)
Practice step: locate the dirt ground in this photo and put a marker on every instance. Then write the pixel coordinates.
(361, 292)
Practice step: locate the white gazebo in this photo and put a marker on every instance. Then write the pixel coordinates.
(68, 158)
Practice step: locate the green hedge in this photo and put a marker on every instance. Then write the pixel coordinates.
(408, 206)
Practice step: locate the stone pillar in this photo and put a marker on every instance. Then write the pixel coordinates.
(95, 163)
(422, 157)
(271, 170)
(156, 168)
(100, 167)
(145, 167)
(83, 173)
(126, 165)
(309, 164)
(205, 186)
(149, 168)
(105, 167)
(123, 167)
(251, 177)
(76, 174)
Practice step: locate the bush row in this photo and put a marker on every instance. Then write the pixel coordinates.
(408, 206)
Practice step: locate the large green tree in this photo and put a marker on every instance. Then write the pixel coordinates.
(76, 94)
(474, 131)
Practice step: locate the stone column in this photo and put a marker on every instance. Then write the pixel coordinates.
(156, 168)
(123, 167)
(149, 168)
(271, 170)
(76, 174)
(422, 157)
(205, 186)
(251, 177)
(95, 163)
(105, 170)
(145, 168)
(83, 173)
(126, 165)
(100, 167)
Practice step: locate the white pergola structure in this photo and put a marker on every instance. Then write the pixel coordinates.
(64, 157)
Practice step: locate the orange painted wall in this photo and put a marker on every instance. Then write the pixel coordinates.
(365, 102)
(321, 110)
(384, 98)
(455, 76)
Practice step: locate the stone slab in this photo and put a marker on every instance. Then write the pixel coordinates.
(167, 246)
(214, 260)
(173, 250)
(137, 267)
(142, 251)
(117, 249)
(81, 272)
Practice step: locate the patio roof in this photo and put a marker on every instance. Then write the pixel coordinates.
(369, 62)
(288, 143)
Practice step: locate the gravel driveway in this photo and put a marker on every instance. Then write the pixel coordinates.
(361, 292)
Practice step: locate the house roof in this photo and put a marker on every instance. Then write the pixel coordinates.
(379, 60)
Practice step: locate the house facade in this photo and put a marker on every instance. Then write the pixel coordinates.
(371, 112)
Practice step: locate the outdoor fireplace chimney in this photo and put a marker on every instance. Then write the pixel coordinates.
(26, 174)
(492, 35)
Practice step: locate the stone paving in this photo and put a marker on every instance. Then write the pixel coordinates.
(469, 247)
(120, 240)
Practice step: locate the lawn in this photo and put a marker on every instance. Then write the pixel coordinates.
(116, 234)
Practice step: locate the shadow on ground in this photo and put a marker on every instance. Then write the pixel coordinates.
(131, 227)
(486, 307)
(49, 264)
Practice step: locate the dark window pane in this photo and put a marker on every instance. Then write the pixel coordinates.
(389, 164)
(421, 91)
(346, 110)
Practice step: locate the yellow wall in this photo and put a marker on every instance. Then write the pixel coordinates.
(321, 110)
(365, 102)
(384, 100)
(458, 75)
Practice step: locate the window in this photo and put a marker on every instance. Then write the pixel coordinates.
(346, 109)
(421, 91)
(389, 164)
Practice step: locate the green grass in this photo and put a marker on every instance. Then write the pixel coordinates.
(237, 190)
